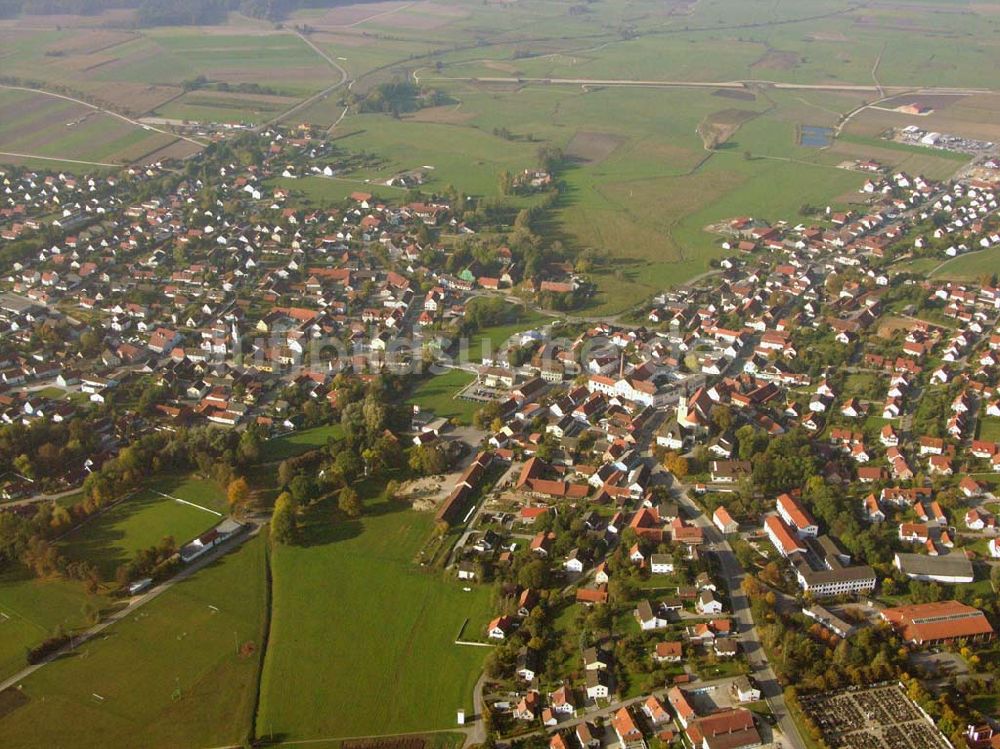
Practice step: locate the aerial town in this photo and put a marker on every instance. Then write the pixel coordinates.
(646, 415)
(755, 508)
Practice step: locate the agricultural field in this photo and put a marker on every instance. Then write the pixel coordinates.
(44, 126)
(224, 107)
(141, 521)
(356, 625)
(32, 609)
(641, 186)
(180, 671)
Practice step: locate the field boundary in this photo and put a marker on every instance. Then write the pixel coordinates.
(186, 502)
(471, 643)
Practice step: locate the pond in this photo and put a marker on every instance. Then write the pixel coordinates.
(812, 136)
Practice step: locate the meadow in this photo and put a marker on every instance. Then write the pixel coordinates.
(361, 639)
(32, 609)
(180, 671)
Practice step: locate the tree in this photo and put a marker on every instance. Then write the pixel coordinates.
(505, 182)
(238, 493)
(349, 502)
(676, 464)
(722, 416)
(427, 460)
(283, 522)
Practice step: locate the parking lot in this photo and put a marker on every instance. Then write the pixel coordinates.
(880, 717)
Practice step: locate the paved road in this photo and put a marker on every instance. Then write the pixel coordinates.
(745, 627)
(861, 88)
(135, 603)
(315, 97)
(54, 158)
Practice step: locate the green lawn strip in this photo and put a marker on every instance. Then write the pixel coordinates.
(970, 267)
(168, 675)
(492, 339)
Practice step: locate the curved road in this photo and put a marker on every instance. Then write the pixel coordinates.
(315, 97)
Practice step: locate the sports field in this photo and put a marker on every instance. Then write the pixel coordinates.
(181, 671)
(437, 393)
(361, 639)
(141, 521)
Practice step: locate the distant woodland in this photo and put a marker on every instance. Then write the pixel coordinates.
(165, 12)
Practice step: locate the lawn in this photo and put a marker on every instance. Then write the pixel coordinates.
(299, 442)
(113, 538)
(168, 675)
(361, 640)
(437, 393)
(32, 609)
(490, 340)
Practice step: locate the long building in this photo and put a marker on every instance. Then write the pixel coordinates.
(951, 568)
(827, 571)
(939, 622)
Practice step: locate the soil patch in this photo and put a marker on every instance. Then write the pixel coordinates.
(593, 147)
(735, 93)
(776, 59)
(719, 127)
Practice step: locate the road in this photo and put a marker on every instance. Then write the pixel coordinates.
(305, 103)
(745, 627)
(134, 604)
(740, 85)
(54, 158)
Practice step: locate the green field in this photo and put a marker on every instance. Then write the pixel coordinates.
(32, 609)
(299, 442)
(169, 675)
(141, 521)
(492, 339)
(437, 393)
(970, 267)
(362, 640)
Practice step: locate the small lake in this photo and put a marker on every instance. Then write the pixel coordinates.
(812, 136)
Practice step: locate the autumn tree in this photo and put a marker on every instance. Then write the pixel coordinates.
(283, 521)
(238, 493)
